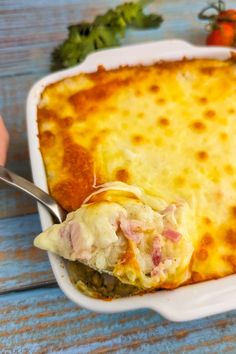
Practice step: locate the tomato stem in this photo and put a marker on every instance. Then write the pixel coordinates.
(218, 7)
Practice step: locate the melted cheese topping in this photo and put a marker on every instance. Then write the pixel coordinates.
(168, 129)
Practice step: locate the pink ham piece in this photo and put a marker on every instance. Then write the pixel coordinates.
(131, 229)
(72, 233)
(156, 252)
(156, 256)
(172, 235)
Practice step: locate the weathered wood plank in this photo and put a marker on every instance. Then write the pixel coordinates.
(13, 93)
(44, 321)
(28, 33)
(21, 264)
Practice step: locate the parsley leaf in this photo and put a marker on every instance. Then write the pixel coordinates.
(105, 31)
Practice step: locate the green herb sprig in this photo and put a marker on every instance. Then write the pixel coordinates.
(105, 31)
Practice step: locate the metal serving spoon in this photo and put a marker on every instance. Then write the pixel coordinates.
(42, 197)
(57, 211)
(35, 192)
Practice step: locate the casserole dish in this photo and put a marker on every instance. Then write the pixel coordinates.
(199, 300)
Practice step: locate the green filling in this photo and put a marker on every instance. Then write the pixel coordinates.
(96, 284)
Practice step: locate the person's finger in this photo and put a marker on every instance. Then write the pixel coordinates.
(4, 140)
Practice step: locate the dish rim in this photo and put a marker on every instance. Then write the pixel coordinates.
(200, 300)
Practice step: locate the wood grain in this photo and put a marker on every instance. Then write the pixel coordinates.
(34, 31)
(13, 93)
(44, 321)
(21, 264)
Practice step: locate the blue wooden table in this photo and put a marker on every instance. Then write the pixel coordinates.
(35, 317)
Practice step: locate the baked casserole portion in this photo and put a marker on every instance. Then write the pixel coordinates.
(145, 158)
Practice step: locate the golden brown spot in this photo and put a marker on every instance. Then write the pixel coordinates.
(90, 100)
(69, 195)
(196, 277)
(229, 169)
(223, 136)
(230, 237)
(98, 138)
(202, 155)
(164, 121)
(137, 139)
(77, 175)
(233, 211)
(102, 75)
(231, 111)
(202, 254)
(47, 139)
(65, 122)
(138, 93)
(210, 114)
(203, 100)
(233, 56)
(207, 221)
(122, 175)
(154, 88)
(208, 70)
(207, 239)
(160, 101)
(179, 181)
(95, 141)
(46, 115)
(231, 259)
(77, 160)
(112, 109)
(198, 126)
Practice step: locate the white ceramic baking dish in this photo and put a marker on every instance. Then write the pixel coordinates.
(185, 303)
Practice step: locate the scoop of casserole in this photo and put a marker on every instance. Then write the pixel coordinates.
(146, 245)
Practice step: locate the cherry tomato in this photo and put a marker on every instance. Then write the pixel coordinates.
(222, 24)
(223, 34)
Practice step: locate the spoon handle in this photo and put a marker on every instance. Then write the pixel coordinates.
(32, 190)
